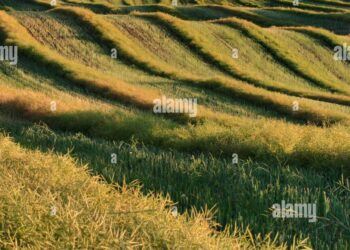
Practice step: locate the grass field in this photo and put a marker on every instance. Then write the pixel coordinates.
(86, 161)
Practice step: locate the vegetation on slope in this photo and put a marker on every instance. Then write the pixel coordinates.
(283, 53)
(250, 138)
(15, 34)
(47, 201)
(289, 158)
(242, 194)
(130, 51)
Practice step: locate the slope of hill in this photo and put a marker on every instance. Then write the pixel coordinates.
(47, 201)
(269, 93)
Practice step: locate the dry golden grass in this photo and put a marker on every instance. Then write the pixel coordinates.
(93, 215)
(282, 52)
(326, 36)
(221, 129)
(48, 202)
(218, 133)
(97, 82)
(134, 53)
(143, 97)
(208, 50)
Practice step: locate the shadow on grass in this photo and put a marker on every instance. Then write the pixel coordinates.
(22, 5)
(242, 193)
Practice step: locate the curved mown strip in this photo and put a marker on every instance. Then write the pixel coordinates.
(148, 8)
(142, 97)
(181, 30)
(281, 53)
(254, 15)
(330, 39)
(281, 103)
(307, 13)
(132, 52)
(145, 98)
(288, 3)
(246, 14)
(259, 139)
(187, 35)
(100, 7)
(333, 3)
(97, 82)
(339, 3)
(10, 5)
(307, 6)
(107, 33)
(178, 27)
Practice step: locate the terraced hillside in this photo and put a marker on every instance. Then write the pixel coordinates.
(271, 123)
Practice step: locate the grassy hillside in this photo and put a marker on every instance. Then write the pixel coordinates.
(68, 95)
(47, 201)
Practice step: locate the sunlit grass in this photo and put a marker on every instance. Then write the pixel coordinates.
(104, 106)
(48, 201)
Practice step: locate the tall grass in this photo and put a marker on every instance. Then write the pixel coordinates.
(242, 193)
(154, 150)
(143, 97)
(219, 130)
(250, 138)
(48, 201)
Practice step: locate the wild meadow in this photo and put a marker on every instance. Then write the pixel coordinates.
(253, 114)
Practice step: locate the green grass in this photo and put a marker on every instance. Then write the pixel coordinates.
(336, 23)
(247, 190)
(48, 200)
(203, 42)
(104, 106)
(285, 52)
(145, 61)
